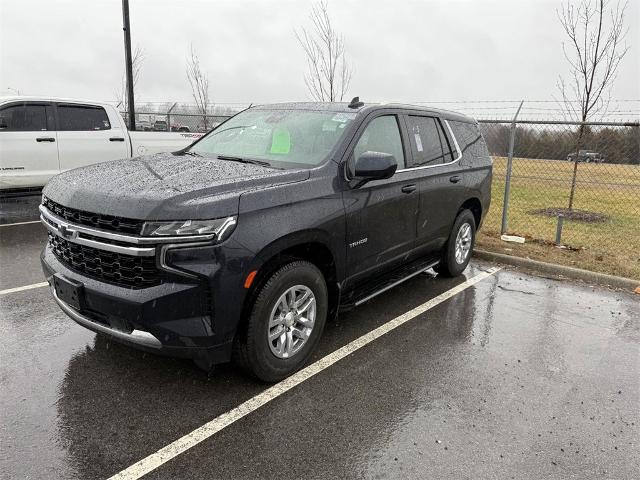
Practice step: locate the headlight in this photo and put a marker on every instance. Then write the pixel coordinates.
(221, 228)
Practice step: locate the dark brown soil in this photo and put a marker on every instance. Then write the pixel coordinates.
(575, 215)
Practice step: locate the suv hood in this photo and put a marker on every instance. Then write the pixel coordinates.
(164, 186)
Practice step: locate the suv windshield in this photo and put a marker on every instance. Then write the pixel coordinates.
(283, 138)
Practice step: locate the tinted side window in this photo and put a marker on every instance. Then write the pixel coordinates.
(381, 135)
(426, 138)
(81, 118)
(467, 135)
(471, 143)
(23, 118)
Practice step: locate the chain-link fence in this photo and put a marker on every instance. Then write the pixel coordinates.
(537, 196)
(175, 122)
(181, 117)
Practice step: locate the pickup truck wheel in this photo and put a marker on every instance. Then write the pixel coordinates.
(285, 323)
(457, 252)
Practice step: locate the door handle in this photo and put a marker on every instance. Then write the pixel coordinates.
(408, 188)
(454, 179)
(45, 139)
(116, 139)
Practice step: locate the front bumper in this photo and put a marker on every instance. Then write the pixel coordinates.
(175, 318)
(135, 337)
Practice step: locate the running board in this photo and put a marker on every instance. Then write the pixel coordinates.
(391, 280)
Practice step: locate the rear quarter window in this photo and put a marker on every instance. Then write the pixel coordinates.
(470, 141)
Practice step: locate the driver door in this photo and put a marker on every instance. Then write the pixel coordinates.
(380, 215)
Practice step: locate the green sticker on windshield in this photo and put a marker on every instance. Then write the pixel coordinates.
(281, 141)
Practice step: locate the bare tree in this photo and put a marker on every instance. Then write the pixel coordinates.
(199, 82)
(329, 73)
(121, 92)
(596, 45)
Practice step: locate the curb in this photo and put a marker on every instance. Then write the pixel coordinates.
(553, 269)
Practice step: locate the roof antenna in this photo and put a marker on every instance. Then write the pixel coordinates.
(356, 103)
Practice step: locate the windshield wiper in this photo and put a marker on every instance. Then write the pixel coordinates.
(193, 154)
(245, 160)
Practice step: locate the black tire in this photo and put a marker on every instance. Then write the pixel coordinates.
(449, 266)
(251, 349)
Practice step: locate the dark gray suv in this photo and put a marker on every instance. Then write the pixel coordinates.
(244, 244)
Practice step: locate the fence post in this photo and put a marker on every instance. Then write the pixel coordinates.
(169, 116)
(559, 230)
(507, 183)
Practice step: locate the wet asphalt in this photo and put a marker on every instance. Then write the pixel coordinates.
(516, 377)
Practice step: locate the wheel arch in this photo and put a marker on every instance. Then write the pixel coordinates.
(312, 246)
(475, 206)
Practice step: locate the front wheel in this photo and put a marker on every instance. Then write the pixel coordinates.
(457, 251)
(285, 323)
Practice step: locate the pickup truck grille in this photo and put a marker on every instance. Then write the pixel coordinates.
(94, 220)
(116, 268)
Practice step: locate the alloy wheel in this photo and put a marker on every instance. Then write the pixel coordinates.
(291, 321)
(463, 243)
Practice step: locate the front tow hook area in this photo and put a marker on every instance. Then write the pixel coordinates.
(137, 337)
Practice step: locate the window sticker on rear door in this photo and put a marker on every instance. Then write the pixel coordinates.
(418, 141)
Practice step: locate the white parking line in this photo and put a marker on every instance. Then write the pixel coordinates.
(26, 287)
(200, 434)
(18, 223)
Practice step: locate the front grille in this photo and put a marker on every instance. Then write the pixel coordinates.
(95, 220)
(112, 267)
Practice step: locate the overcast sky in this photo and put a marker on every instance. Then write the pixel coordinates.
(408, 51)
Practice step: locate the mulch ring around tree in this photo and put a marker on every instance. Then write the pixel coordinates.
(576, 215)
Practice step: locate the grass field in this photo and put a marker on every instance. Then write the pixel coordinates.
(612, 246)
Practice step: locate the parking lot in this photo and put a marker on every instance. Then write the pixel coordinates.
(509, 376)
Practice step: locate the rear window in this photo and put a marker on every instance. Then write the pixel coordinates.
(82, 118)
(23, 118)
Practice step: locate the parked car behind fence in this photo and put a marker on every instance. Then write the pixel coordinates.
(586, 156)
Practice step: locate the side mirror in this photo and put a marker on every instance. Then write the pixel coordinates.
(373, 166)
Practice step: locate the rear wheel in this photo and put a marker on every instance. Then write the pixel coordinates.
(285, 323)
(457, 252)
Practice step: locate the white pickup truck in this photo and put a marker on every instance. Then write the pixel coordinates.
(41, 137)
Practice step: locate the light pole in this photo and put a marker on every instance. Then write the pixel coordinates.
(129, 66)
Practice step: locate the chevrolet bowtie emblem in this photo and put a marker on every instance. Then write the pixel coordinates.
(67, 232)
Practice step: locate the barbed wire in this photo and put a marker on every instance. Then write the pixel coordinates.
(623, 110)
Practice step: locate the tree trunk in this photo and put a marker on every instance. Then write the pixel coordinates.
(575, 166)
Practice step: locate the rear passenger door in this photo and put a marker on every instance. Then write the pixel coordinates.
(86, 136)
(28, 147)
(438, 176)
(380, 215)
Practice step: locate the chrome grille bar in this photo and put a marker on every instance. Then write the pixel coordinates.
(69, 233)
(60, 223)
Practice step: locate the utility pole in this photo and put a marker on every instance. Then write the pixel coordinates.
(129, 67)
